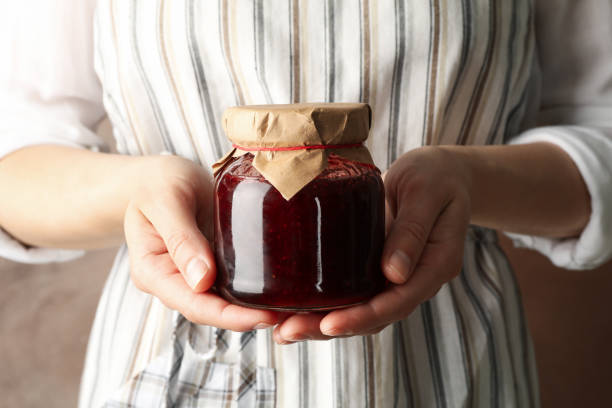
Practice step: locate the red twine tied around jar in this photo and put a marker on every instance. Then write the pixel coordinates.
(290, 148)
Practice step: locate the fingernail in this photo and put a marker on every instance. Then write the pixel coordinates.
(298, 337)
(195, 271)
(332, 331)
(260, 326)
(399, 266)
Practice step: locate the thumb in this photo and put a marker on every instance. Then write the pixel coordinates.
(408, 234)
(175, 221)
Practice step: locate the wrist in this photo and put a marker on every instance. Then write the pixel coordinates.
(164, 179)
(111, 197)
(478, 171)
(461, 172)
(530, 189)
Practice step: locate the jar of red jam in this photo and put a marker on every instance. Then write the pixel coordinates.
(298, 208)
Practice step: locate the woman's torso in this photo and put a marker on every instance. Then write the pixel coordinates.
(436, 72)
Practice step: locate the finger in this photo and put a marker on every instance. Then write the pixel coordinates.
(392, 305)
(299, 327)
(144, 240)
(210, 309)
(443, 254)
(155, 272)
(141, 237)
(383, 309)
(414, 205)
(173, 217)
(406, 239)
(440, 262)
(388, 218)
(165, 282)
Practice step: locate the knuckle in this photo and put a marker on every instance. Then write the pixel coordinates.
(188, 314)
(433, 292)
(416, 182)
(453, 272)
(375, 330)
(452, 264)
(128, 218)
(226, 318)
(175, 242)
(182, 191)
(189, 311)
(414, 230)
(136, 274)
(240, 329)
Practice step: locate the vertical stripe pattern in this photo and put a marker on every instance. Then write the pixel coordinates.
(330, 47)
(365, 60)
(294, 51)
(200, 79)
(435, 72)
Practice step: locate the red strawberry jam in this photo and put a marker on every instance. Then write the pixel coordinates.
(319, 250)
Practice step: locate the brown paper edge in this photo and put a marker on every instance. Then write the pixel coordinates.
(290, 171)
(289, 187)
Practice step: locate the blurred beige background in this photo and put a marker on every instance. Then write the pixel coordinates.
(46, 313)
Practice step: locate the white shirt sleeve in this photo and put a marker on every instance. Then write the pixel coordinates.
(49, 93)
(575, 58)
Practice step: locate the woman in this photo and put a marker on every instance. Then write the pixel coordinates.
(450, 332)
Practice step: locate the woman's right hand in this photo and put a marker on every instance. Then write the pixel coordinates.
(165, 225)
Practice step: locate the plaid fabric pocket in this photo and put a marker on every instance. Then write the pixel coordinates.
(184, 376)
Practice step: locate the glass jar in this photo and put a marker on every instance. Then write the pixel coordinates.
(319, 250)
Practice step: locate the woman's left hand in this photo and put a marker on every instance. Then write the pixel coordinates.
(428, 212)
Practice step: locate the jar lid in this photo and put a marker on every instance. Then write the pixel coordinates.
(291, 143)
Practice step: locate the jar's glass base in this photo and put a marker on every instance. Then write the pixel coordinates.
(293, 308)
